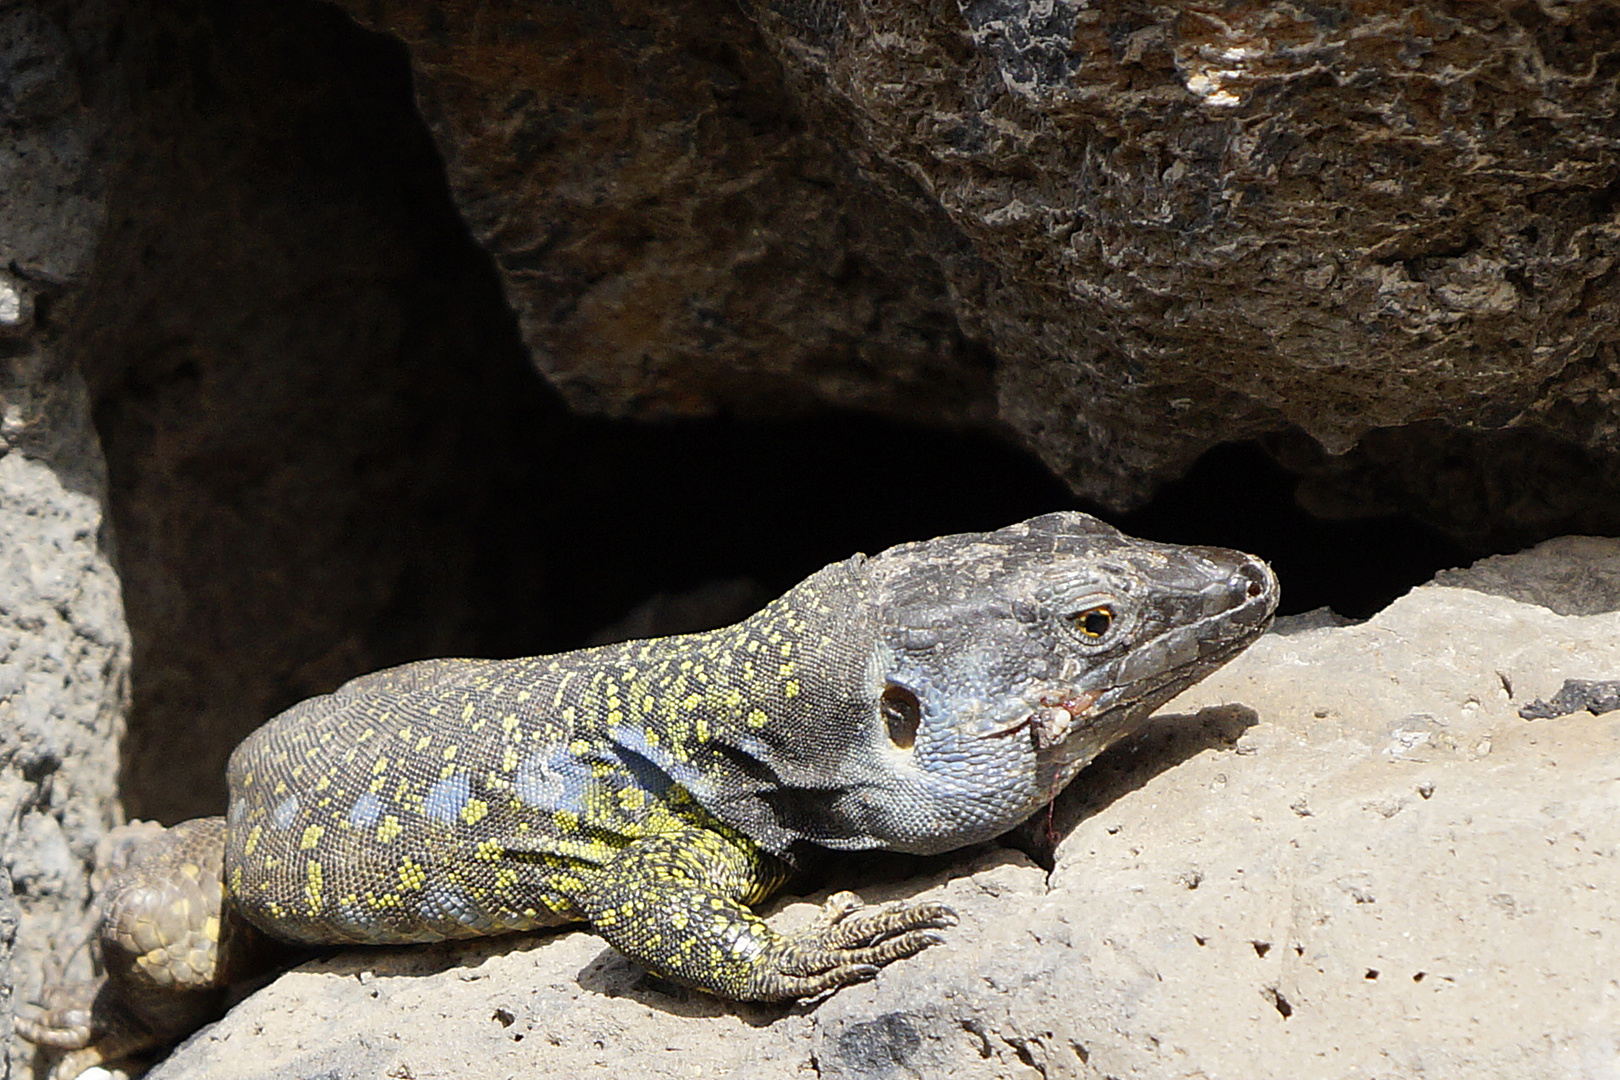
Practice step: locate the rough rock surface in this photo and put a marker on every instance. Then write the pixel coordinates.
(64, 648)
(1126, 230)
(327, 447)
(225, 238)
(675, 239)
(1572, 575)
(1233, 217)
(64, 670)
(1221, 219)
(1343, 855)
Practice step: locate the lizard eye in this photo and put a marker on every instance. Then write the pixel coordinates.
(1093, 623)
(902, 713)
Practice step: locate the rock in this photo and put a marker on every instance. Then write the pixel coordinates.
(675, 239)
(231, 268)
(1324, 226)
(1596, 696)
(64, 670)
(1343, 854)
(329, 451)
(1490, 491)
(64, 648)
(1238, 220)
(1572, 575)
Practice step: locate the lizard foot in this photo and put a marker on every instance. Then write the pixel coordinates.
(848, 943)
(157, 937)
(94, 1024)
(85, 1020)
(63, 1019)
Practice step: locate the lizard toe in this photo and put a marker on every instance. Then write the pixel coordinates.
(69, 1031)
(839, 906)
(885, 952)
(84, 1033)
(65, 1019)
(776, 985)
(855, 948)
(875, 924)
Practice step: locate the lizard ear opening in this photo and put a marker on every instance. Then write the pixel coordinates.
(902, 713)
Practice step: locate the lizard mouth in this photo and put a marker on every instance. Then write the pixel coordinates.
(1051, 717)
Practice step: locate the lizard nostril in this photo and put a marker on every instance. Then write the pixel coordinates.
(902, 713)
(1257, 579)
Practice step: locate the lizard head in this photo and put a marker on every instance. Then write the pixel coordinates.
(998, 664)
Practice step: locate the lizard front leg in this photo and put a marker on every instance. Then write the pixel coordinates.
(675, 903)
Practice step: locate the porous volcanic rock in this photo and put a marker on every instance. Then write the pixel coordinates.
(1169, 226)
(64, 647)
(1233, 218)
(675, 238)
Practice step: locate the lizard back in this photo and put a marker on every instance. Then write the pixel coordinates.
(454, 798)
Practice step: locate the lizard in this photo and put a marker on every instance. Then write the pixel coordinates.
(924, 699)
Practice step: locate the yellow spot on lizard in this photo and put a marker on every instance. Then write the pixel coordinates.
(312, 888)
(411, 875)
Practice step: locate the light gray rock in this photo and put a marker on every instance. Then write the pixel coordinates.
(1572, 575)
(64, 683)
(1344, 855)
(64, 648)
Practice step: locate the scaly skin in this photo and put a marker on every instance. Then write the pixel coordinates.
(921, 700)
